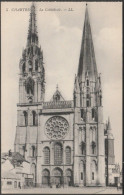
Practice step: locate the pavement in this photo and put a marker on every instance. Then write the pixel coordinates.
(69, 190)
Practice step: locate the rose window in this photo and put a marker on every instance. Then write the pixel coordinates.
(56, 127)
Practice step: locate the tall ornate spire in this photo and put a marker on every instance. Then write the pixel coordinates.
(87, 62)
(32, 31)
(31, 64)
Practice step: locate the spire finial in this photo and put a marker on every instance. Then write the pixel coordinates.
(57, 87)
(87, 60)
(32, 32)
(109, 124)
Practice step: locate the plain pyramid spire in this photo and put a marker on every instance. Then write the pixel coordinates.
(87, 62)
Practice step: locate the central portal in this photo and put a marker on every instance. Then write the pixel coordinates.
(57, 180)
(57, 177)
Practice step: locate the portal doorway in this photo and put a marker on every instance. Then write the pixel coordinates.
(116, 181)
(68, 176)
(57, 177)
(46, 177)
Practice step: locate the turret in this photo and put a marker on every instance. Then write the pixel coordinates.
(76, 92)
(110, 144)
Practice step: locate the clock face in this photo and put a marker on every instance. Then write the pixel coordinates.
(56, 127)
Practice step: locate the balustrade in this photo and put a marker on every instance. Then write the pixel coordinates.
(58, 104)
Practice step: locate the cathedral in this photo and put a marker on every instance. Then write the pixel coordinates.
(66, 141)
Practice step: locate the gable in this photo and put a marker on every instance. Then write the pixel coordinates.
(57, 96)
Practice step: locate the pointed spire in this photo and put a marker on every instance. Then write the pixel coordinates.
(76, 85)
(109, 124)
(109, 130)
(87, 62)
(106, 125)
(75, 80)
(32, 31)
(57, 87)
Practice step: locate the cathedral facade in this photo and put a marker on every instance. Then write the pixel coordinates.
(64, 141)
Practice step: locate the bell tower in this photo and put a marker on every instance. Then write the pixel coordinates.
(89, 155)
(31, 94)
(32, 73)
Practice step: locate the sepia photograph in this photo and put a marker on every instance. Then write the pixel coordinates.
(61, 97)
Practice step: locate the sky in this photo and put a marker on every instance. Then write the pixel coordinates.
(60, 34)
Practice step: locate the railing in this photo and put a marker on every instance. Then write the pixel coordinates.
(58, 104)
(30, 104)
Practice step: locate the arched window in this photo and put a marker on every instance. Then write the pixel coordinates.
(58, 154)
(93, 145)
(83, 148)
(68, 155)
(30, 86)
(33, 38)
(93, 171)
(93, 139)
(23, 67)
(88, 103)
(36, 50)
(92, 175)
(84, 135)
(82, 172)
(34, 117)
(23, 151)
(82, 113)
(93, 114)
(36, 65)
(46, 155)
(33, 151)
(88, 96)
(88, 100)
(87, 82)
(81, 175)
(30, 65)
(25, 118)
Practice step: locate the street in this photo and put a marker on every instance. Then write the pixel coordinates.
(70, 190)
